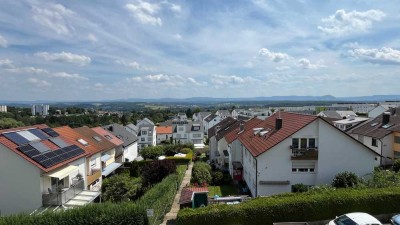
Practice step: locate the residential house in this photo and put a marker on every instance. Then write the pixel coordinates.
(164, 133)
(132, 128)
(198, 117)
(216, 156)
(337, 114)
(40, 167)
(210, 121)
(223, 113)
(380, 135)
(378, 110)
(346, 124)
(187, 132)
(130, 140)
(118, 143)
(289, 148)
(181, 117)
(147, 133)
(361, 108)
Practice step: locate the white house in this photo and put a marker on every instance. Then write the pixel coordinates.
(223, 113)
(290, 148)
(375, 112)
(348, 123)
(147, 133)
(3, 108)
(210, 121)
(130, 145)
(337, 114)
(187, 132)
(164, 133)
(215, 133)
(198, 117)
(40, 167)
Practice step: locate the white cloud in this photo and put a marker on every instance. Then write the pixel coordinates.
(28, 70)
(225, 80)
(274, 56)
(306, 64)
(178, 36)
(99, 85)
(73, 76)
(165, 80)
(92, 38)
(145, 12)
(53, 16)
(3, 42)
(39, 83)
(282, 68)
(175, 7)
(343, 23)
(248, 65)
(6, 63)
(65, 57)
(384, 55)
(132, 64)
(157, 78)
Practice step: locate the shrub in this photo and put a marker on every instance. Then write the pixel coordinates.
(120, 188)
(396, 165)
(153, 172)
(298, 188)
(152, 152)
(217, 178)
(296, 207)
(345, 179)
(185, 150)
(383, 178)
(227, 179)
(201, 173)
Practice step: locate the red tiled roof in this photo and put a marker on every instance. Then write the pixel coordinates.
(164, 129)
(116, 141)
(89, 134)
(12, 146)
(72, 136)
(234, 134)
(187, 192)
(291, 123)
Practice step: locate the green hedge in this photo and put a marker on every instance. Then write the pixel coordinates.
(292, 207)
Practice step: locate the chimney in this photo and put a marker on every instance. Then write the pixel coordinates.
(278, 123)
(241, 126)
(111, 128)
(385, 118)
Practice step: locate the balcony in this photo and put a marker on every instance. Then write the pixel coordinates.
(304, 153)
(96, 174)
(64, 195)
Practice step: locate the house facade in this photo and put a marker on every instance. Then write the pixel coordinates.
(164, 134)
(187, 132)
(147, 135)
(223, 113)
(210, 121)
(130, 141)
(215, 133)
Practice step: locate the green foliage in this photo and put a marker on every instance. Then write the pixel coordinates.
(382, 178)
(309, 206)
(120, 188)
(298, 188)
(217, 177)
(153, 172)
(201, 173)
(6, 123)
(396, 165)
(185, 150)
(152, 152)
(345, 179)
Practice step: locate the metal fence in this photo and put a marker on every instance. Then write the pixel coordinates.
(64, 196)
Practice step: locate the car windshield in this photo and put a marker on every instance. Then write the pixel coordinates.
(344, 220)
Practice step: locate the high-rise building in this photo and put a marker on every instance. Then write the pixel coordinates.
(41, 110)
(3, 108)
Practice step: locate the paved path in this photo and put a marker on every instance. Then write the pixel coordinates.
(170, 217)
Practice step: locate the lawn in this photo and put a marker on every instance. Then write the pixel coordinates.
(223, 190)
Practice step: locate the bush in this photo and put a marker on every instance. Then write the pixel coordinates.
(153, 172)
(298, 188)
(383, 178)
(217, 178)
(185, 150)
(152, 152)
(120, 188)
(345, 179)
(296, 207)
(201, 173)
(396, 165)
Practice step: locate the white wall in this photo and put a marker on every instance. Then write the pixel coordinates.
(163, 137)
(221, 146)
(212, 143)
(376, 112)
(249, 171)
(131, 152)
(384, 146)
(19, 184)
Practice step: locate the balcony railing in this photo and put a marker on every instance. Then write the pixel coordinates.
(96, 174)
(66, 194)
(304, 153)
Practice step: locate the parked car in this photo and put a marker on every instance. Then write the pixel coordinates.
(395, 220)
(356, 218)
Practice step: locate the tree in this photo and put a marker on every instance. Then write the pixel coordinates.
(396, 165)
(196, 110)
(189, 113)
(345, 179)
(153, 172)
(120, 188)
(201, 173)
(152, 152)
(6, 123)
(125, 119)
(217, 177)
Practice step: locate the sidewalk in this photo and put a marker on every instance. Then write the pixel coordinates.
(170, 217)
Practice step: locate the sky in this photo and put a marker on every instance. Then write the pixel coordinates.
(103, 50)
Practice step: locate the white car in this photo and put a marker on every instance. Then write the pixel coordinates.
(356, 218)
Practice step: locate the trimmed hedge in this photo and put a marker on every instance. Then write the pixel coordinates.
(310, 206)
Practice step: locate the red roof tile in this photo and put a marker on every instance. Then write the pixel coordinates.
(116, 141)
(234, 134)
(291, 123)
(13, 147)
(164, 129)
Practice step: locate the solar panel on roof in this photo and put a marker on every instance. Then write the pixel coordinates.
(40, 134)
(57, 141)
(47, 163)
(40, 146)
(50, 154)
(29, 151)
(16, 138)
(28, 135)
(50, 132)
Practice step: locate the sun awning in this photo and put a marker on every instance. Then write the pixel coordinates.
(60, 174)
(110, 168)
(105, 157)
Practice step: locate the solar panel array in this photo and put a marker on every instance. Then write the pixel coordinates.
(38, 133)
(16, 138)
(51, 158)
(50, 132)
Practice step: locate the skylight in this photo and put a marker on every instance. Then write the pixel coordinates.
(83, 142)
(98, 139)
(387, 126)
(374, 124)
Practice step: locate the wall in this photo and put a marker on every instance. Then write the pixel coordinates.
(249, 171)
(213, 148)
(221, 146)
(384, 146)
(396, 146)
(112, 159)
(131, 152)
(163, 137)
(235, 154)
(20, 184)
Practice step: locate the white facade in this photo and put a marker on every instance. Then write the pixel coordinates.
(3, 108)
(346, 124)
(41, 110)
(183, 133)
(235, 154)
(131, 152)
(147, 137)
(163, 137)
(274, 171)
(213, 122)
(382, 146)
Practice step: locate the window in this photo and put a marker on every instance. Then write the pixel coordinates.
(397, 139)
(374, 142)
(295, 143)
(311, 143)
(97, 138)
(178, 135)
(181, 128)
(142, 139)
(92, 163)
(303, 167)
(144, 132)
(196, 135)
(150, 132)
(303, 143)
(108, 137)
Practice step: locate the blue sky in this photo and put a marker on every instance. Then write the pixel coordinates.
(93, 50)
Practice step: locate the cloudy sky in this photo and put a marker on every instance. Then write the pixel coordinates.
(92, 50)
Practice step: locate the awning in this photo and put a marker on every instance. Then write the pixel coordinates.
(110, 168)
(60, 174)
(105, 157)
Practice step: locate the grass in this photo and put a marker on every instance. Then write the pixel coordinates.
(223, 190)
